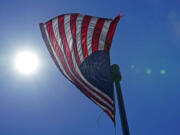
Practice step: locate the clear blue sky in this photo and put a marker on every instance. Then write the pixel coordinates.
(146, 41)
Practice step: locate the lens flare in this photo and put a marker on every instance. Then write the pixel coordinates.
(148, 71)
(162, 71)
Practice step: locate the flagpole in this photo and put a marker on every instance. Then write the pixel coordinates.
(117, 78)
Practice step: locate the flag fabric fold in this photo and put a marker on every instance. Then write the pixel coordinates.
(79, 45)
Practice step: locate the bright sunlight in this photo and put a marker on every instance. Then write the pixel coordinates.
(26, 62)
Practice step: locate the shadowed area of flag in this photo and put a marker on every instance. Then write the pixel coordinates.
(96, 69)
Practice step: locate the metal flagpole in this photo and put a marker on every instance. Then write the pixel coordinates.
(117, 78)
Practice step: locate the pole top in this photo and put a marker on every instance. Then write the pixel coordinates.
(116, 75)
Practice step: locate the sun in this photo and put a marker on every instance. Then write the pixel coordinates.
(26, 62)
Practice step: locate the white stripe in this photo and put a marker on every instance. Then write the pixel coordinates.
(90, 32)
(67, 29)
(103, 34)
(70, 43)
(57, 36)
(54, 53)
(78, 36)
(55, 26)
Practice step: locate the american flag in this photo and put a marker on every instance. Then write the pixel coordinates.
(79, 45)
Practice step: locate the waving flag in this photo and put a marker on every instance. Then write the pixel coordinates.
(79, 45)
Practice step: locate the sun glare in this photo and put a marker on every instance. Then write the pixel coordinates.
(26, 62)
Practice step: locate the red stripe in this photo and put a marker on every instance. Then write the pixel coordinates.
(64, 40)
(73, 31)
(69, 57)
(111, 33)
(84, 29)
(55, 46)
(66, 45)
(49, 47)
(110, 115)
(60, 56)
(96, 34)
